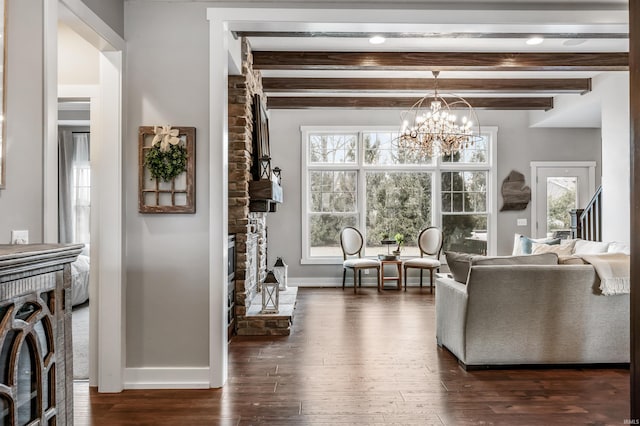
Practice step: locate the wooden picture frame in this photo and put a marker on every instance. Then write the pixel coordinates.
(157, 196)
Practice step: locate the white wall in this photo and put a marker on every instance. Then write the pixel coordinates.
(167, 74)
(616, 163)
(78, 60)
(21, 201)
(517, 146)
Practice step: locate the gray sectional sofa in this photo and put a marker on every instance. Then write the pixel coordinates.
(531, 314)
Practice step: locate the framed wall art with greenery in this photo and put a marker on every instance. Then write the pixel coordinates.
(166, 169)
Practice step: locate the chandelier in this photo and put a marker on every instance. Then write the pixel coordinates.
(431, 128)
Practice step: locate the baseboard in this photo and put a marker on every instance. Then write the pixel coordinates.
(166, 378)
(367, 281)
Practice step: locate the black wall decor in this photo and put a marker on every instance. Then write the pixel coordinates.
(260, 136)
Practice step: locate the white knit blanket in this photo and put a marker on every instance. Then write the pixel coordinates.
(613, 270)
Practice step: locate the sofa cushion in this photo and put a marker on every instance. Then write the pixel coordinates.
(590, 247)
(559, 249)
(527, 243)
(459, 264)
(534, 259)
(570, 260)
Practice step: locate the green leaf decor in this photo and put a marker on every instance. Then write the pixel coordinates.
(168, 164)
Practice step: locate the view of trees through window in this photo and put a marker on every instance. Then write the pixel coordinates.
(364, 179)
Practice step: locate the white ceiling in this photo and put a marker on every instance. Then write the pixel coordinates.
(570, 26)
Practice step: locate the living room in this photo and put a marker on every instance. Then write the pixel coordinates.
(186, 243)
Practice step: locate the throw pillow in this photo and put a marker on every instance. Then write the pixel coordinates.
(527, 243)
(590, 247)
(534, 259)
(459, 264)
(616, 247)
(559, 249)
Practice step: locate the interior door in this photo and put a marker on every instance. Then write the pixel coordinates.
(557, 190)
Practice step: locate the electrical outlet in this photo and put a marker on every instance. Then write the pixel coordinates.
(20, 237)
(521, 222)
(366, 272)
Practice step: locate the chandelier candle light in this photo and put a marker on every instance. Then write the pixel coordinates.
(436, 130)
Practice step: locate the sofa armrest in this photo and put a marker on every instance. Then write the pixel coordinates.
(451, 312)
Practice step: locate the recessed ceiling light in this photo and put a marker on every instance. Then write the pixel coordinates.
(574, 42)
(377, 40)
(534, 40)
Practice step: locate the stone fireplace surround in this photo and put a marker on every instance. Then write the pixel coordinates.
(249, 227)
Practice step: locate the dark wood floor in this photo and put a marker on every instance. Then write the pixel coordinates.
(367, 359)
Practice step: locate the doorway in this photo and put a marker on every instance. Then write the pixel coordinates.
(559, 187)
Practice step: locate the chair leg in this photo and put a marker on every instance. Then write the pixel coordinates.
(344, 276)
(420, 278)
(355, 278)
(378, 271)
(405, 278)
(431, 281)
(360, 278)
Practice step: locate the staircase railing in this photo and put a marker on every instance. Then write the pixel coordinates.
(587, 223)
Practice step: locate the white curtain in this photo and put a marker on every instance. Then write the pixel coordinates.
(74, 178)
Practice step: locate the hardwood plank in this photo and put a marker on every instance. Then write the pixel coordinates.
(481, 85)
(367, 358)
(441, 61)
(353, 102)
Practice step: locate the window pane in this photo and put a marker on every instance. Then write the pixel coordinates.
(464, 191)
(561, 198)
(465, 233)
(333, 191)
(324, 233)
(477, 153)
(333, 148)
(397, 202)
(382, 148)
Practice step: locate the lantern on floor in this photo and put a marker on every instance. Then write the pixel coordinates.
(280, 271)
(270, 294)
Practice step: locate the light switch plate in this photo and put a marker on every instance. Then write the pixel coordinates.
(521, 222)
(20, 237)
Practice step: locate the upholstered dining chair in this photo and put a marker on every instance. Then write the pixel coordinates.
(430, 244)
(351, 242)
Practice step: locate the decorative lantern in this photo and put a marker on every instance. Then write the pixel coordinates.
(280, 271)
(270, 294)
(265, 168)
(277, 171)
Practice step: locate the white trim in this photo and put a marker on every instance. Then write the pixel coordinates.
(90, 26)
(359, 166)
(367, 281)
(166, 378)
(107, 246)
(535, 165)
(50, 122)
(110, 217)
(218, 198)
(91, 92)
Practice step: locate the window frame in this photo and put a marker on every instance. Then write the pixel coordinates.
(361, 168)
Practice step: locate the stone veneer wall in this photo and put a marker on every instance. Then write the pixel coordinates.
(249, 227)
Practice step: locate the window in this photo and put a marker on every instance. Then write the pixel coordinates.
(359, 177)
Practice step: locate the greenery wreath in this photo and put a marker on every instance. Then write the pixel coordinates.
(167, 164)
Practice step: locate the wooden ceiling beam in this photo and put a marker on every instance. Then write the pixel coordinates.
(441, 61)
(313, 102)
(338, 85)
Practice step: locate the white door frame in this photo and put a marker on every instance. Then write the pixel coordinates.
(535, 165)
(107, 314)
